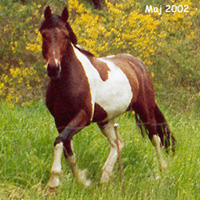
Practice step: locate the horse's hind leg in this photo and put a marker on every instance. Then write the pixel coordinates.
(109, 131)
(155, 139)
(147, 116)
(157, 143)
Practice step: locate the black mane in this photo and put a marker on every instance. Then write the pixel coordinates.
(87, 53)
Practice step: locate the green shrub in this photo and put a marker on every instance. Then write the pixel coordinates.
(168, 43)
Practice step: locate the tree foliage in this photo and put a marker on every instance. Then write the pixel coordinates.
(168, 43)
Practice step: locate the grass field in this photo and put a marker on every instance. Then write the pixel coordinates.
(26, 149)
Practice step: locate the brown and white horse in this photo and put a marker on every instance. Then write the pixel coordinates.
(85, 89)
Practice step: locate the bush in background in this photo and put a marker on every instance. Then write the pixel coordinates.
(168, 43)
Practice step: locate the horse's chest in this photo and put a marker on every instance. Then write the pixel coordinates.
(60, 102)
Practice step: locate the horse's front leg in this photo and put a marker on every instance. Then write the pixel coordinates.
(80, 175)
(56, 168)
(63, 142)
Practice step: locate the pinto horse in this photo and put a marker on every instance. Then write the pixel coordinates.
(85, 89)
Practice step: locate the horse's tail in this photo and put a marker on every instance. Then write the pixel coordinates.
(167, 138)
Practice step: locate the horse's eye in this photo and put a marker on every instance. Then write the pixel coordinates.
(67, 37)
(44, 35)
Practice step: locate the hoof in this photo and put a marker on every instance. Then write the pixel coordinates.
(105, 177)
(163, 165)
(87, 183)
(51, 191)
(53, 183)
(82, 178)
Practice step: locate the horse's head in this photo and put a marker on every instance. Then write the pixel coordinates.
(57, 35)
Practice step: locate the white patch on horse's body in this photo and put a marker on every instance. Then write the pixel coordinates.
(127, 54)
(79, 46)
(111, 56)
(113, 95)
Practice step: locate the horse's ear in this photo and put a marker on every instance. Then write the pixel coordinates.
(47, 13)
(65, 14)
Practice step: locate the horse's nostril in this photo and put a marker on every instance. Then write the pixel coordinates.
(53, 71)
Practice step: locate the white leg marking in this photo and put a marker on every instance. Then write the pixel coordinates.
(80, 175)
(109, 132)
(56, 169)
(157, 143)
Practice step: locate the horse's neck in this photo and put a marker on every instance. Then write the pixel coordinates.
(72, 70)
(72, 63)
(69, 62)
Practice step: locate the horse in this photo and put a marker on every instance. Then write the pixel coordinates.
(84, 89)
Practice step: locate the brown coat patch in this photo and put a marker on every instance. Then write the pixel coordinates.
(101, 67)
(99, 113)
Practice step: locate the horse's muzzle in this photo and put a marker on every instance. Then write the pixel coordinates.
(53, 71)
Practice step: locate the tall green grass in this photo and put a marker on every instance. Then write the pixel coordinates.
(26, 150)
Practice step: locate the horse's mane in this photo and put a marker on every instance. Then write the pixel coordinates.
(87, 53)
